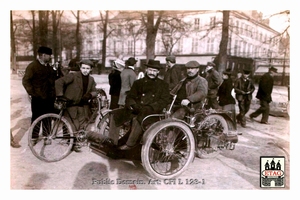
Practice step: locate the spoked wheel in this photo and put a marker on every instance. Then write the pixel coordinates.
(103, 126)
(210, 134)
(49, 138)
(168, 149)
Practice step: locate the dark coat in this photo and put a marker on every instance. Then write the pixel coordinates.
(224, 93)
(173, 76)
(265, 88)
(152, 95)
(114, 80)
(214, 80)
(39, 80)
(239, 88)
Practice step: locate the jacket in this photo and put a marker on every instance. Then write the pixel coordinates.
(39, 80)
(265, 88)
(114, 80)
(224, 93)
(214, 80)
(70, 86)
(173, 75)
(128, 76)
(196, 90)
(240, 87)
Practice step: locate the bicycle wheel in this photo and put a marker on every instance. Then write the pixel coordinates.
(211, 131)
(50, 139)
(168, 149)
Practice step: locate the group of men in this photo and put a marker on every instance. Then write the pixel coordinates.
(148, 95)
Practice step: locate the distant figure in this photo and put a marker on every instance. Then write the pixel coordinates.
(243, 88)
(226, 100)
(173, 72)
(214, 80)
(73, 64)
(128, 76)
(264, 92)
(114, 79)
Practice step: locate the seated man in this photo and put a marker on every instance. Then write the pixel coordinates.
(192, 89)
(147, 96)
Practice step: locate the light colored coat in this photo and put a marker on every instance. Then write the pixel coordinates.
(128, 76)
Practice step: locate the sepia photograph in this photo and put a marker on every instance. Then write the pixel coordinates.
(149, 99)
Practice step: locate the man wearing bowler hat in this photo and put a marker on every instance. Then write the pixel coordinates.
(214, 80)
(148, 95)
(192, 89)
(264, 92)
(39, 83)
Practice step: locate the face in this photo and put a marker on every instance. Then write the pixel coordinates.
(192, 71)
(225, 76)
(46, 58)
(152, 72)
(85, 69)
(246, 75)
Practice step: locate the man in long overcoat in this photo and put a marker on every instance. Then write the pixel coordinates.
(264, 95)
(148, 95)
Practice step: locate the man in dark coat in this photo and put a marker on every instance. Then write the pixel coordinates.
(148, 95)
(173, 72)
(243, 88)
(114, 80)
(264, 95)
(39, 83)
(214, 80)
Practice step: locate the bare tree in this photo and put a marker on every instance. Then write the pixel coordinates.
(56, 15)
(43, 27)
(77, 34)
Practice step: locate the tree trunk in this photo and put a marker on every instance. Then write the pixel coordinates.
(104, 41)
(43, 28)
(12, 44)
(54, 35)
(78, 37)
(222, 57)
(34, 40)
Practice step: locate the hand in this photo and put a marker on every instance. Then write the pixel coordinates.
(86, 97)
(61, 98)
(185, 102)
(136, 108)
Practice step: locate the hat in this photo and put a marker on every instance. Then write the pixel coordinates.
(131, 61)
(87, 62)
(45, 50)
(247, 71)
(172, 59)
(119, 64)
(192, 64)
(273, 69)
(227, 71)
(153, 64)
(211, 64)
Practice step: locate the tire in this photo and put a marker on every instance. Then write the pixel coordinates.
(103, 126)
(211, 131)
(168, 149)
(51, 145)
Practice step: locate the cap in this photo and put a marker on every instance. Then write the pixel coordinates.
(227, 71)
(87, 62)
(273, 69)
(211, 64)
(131, 61)
(192, 64)
(172, 59)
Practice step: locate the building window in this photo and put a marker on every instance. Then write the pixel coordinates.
(210, 45)
(237, 26)
(212, 21)
(194, 45)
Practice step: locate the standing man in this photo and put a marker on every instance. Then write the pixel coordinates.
(173, 72)
(243, 88)
(214, 80)
(79, 87)
(114, 80)
(148, 95)
(39, 83)
(128, 76)
(192, 89)
(264, 95)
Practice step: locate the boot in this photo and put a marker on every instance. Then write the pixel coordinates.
(99, 138)
(134, 136)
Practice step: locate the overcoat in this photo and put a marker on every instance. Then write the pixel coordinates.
(265, 88)
(128, 76)
(173, 76)
(224, 93)
(239, 87)
(214, 80)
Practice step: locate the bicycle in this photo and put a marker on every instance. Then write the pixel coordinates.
(51, 136)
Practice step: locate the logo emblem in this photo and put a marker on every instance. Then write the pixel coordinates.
(272, 171)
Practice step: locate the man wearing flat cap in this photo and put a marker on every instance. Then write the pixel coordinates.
(264, 93)
(243, 88)
(173, 72)
(148, 95)
(78, 87)
(214, 80)
(38, 82)
(191, 90)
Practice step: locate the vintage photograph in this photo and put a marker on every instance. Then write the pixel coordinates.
(150, 99)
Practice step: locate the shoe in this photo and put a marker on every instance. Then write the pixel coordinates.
(264, 123)
(108, 142)
(15, 144)
(251, 118)
(243, 125)
(125, 147)
(77, 148)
